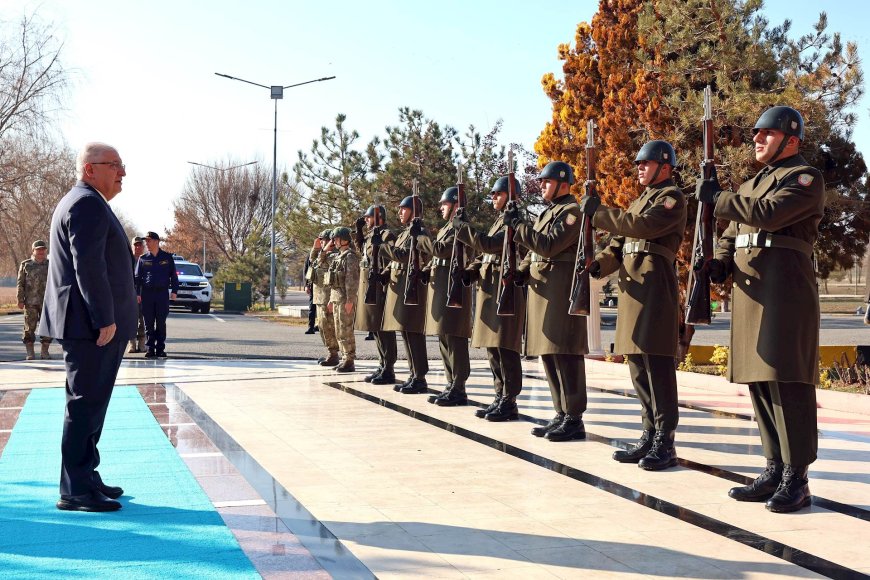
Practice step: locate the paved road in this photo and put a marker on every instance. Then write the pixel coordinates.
(220, 335)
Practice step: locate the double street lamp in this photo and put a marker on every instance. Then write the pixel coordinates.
(277, 92)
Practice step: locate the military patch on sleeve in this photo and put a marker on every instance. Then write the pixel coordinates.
(805, 179)
(670, 202)
(570, 219)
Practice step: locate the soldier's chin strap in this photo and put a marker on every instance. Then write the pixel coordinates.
(779, 150)
(655, 175)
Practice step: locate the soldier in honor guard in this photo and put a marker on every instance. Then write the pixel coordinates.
(408, 319)
(156, 284)
(647, 236)
(501, 336)
(32, 277)
(559, 338)
(369, 317)
(343, 278)
(767, 249)
(452, 325)
(319, 259)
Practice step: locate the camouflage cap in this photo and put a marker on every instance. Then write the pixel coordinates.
(38, 244)
(341, 233)
(325, 235)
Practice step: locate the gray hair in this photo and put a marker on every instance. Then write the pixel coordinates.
(88, 153)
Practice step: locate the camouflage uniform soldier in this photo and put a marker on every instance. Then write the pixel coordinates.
(343, 279)
(320, 256)
(32, 275)
(767, 249)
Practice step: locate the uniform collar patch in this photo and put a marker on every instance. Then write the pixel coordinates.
(805, 179)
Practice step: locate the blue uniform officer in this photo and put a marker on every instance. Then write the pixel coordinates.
(156, 282)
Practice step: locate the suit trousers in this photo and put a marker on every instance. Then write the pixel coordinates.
(91, 371)
(507, 371)
(566, 374)
(655, 382)
(387, 352)
(415, 349)
(787, 421)
(454, 355)
(155, 309)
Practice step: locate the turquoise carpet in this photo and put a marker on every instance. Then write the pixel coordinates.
(167, 527)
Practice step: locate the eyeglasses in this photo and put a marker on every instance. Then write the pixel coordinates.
(115, 165)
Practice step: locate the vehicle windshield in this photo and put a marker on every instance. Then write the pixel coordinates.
(187, 270)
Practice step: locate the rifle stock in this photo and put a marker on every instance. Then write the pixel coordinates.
(581, 292)
(698, 309)
(455, 293)
(506, 305)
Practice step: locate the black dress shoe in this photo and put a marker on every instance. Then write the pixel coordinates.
(150, 353)
(416, 387)
(161, 354)
(310, 331)
(94, 501)
(110, 491)
(385, 378)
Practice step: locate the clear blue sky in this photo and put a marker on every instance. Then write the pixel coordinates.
(145, 74)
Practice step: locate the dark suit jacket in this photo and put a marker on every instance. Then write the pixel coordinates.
(90, 276)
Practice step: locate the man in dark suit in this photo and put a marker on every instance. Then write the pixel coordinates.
(90, 307)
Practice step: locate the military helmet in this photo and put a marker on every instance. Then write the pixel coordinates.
(558, 170)
(501, 184)
(785, 119)
(325, 235)
(342, 233)
(409, 203)
(657, 150)
(370, 212)
(450, 195)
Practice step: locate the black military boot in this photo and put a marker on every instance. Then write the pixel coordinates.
(637, 451)
(455, 397)
(442, 394)
(662, 454)
(416, 387)
(331, 361)
(368, 378)
(481, 413)
(763, 487)
(401, 386)
(387, 377)
(544, 429)
(570, 428)
(505, 411)
(793, 492)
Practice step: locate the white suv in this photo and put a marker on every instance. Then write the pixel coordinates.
(194, 289)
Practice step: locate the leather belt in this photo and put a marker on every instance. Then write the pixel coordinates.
(364, 263)
(491, 259)
(397, 266)
(560, 258)
(768, 240)
(648, 247)
(439, 261)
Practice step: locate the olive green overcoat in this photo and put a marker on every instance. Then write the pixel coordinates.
(441, 319)
(397, 315)
(369, 317)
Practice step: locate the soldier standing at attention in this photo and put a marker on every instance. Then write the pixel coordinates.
(559, 338)
(451, 325)
(157, 284)
(369, 317)
(410, 320)
(319, 260)
(138, 344)
(768, 250)
(501, 335)
(32, 276)
(647, 237)
(344, 286)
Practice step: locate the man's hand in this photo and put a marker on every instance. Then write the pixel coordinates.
(416, 227)
(594, 269)
(458, 219)
(589, 204)
(173, 296)
(329, 307)
(521, 277)
(718, 271)
(360, 223)
(512, 216)
(138, 300)
(348, 307)
(21, 306)
(708, 190)
(107, 333)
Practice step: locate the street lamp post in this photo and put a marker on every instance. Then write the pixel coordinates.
(221, 169)
(277, 92)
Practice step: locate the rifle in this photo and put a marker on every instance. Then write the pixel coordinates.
(457, 260)
(373, 278)
(412, 281)
(506, 305)
(698, 310)
(580, 290)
